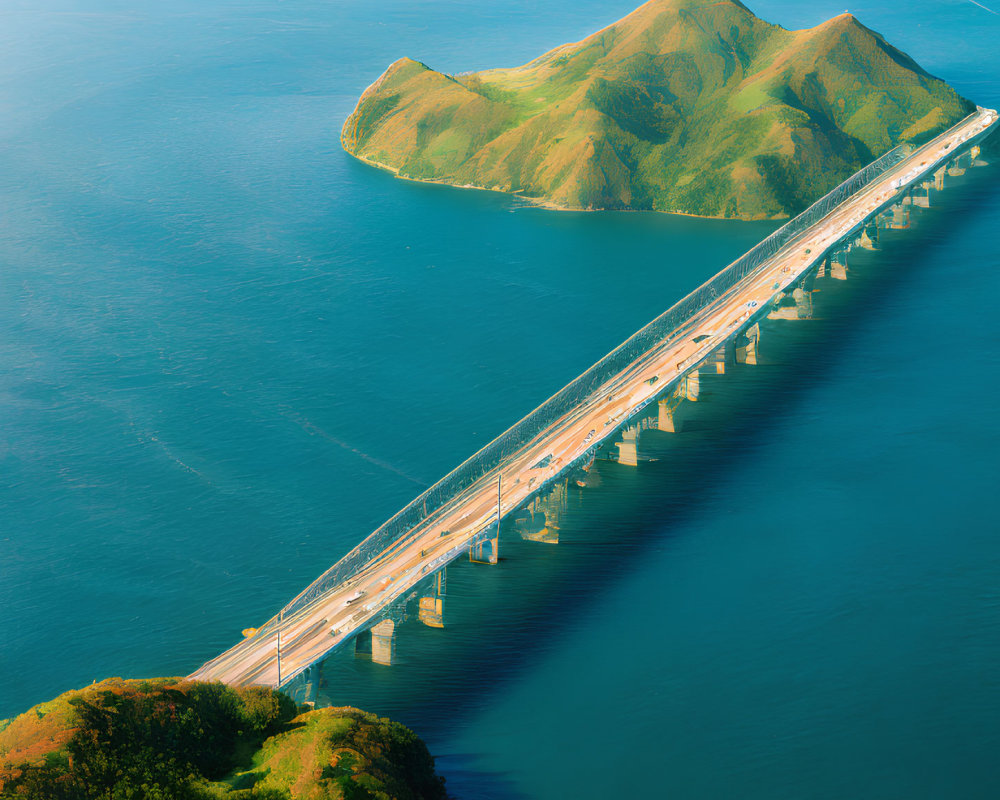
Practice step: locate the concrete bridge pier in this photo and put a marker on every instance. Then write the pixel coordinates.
(539, 522)
(900, 219)
(956, 167)
(486, 551)
(690, 387)
(718, 359)
(964, 161)
(377, 643)
(868, 240)
(939, 178)
(797, 305)
(747, 353)
(383, 638)
(628, 447)
(430, 608)
(665, 420)
(838, 265)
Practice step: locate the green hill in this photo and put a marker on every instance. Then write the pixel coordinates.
(171, 739)
(683, 106)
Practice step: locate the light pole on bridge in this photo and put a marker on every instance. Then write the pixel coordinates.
(281, 615)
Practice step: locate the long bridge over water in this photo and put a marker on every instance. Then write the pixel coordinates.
(601, 414)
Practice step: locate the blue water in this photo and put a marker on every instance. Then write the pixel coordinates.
(228, 351)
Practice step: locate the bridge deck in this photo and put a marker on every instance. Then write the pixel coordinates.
(313, 631)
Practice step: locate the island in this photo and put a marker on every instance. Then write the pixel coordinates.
(174, 739)
(683, 106)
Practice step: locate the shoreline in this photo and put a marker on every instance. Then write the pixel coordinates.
(548, 205)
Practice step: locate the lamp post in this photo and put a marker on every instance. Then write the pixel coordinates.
(281, 616)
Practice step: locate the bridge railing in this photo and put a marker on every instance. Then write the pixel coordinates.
(515, 438)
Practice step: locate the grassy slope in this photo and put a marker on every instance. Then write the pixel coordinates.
(328, 752)
(681, 106)
(325, 754)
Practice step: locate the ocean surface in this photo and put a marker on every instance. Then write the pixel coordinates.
(228, 351)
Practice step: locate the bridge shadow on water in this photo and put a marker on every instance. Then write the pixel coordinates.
(502, 620)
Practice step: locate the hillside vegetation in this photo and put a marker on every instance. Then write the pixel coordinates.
(683, 106)
(168, 739)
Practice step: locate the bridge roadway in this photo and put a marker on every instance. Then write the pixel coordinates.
(318, 628)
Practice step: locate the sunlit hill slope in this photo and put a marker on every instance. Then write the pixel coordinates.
(173, 739)
(681, 106)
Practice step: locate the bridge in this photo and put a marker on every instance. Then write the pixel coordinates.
(599, 415)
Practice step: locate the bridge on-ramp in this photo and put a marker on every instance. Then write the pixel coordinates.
(602, 412)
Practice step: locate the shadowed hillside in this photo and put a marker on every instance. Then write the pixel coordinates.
(682, 106)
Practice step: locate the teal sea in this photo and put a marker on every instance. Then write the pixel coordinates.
(228, 351)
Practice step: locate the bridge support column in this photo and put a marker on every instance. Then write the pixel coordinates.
(894, 218)
(665, 417)
(939, 178)
(628, 447)
(866, 241)
(690, 386)
(799, 308)
(540, 521)
(747, 354)
(383, 636)
(719, 359)
(838, 266)
(486, 551)
(431, 607)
